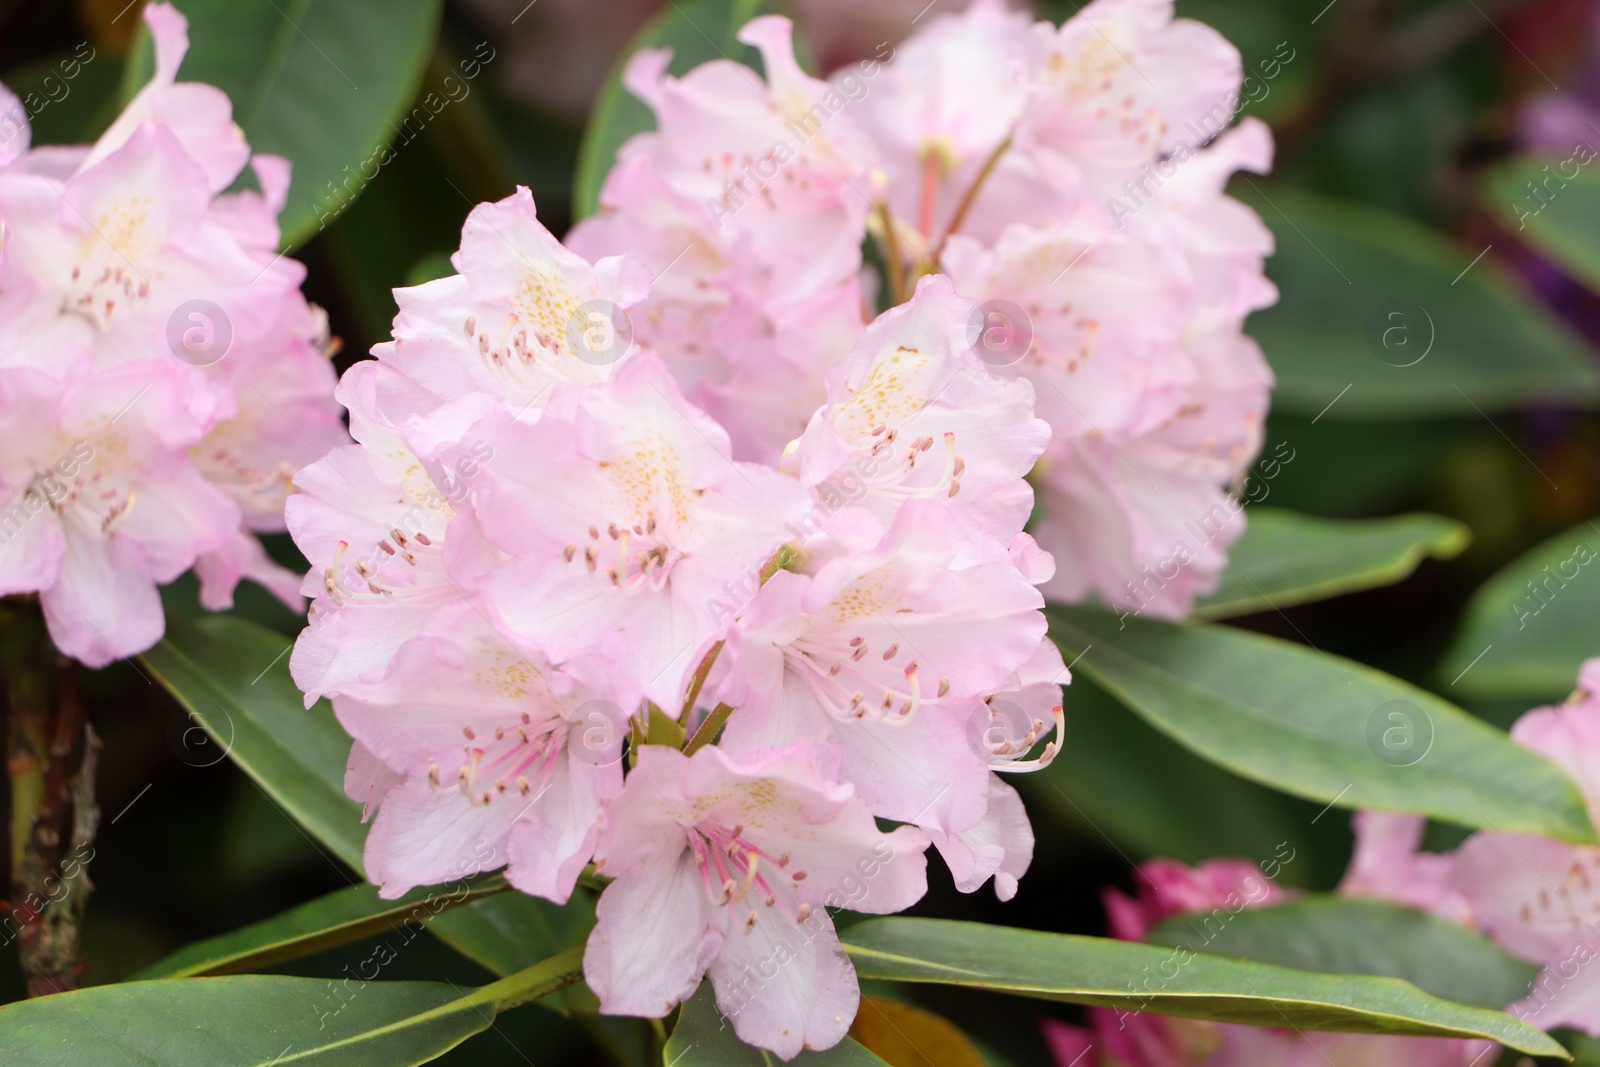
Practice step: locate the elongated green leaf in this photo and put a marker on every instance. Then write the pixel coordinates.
(1528, 629)
(253, 1020)
(697, 33)
(1118, 776)
(1132, 977)
(342, 916)
(263, 1021)
(1380, 317)
(1335, 935)
(703, 1038)
(1286, 558)
(326, 83)
(510, 932)
(1552, 203)
(233, 678)
(1320, 726)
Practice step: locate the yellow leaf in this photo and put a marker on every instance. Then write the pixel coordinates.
(903, 1036)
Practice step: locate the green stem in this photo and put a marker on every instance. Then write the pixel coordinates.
(526, 986)
(708, 729)
(698, 681)
(893, 268)
(53, 813)
(968, 199)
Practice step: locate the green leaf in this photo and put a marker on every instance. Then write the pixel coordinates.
(703, 1038)
(510, 932)
(1559, 217)
(1130, 976)
(1474, 342)
(1335, 935)
(1118, 776)
(263, 1021)
(1286, 558)
(325, 83)
(697, 33)
(1529, 628)
(233, 678)
(1320, 726)
(338, 918)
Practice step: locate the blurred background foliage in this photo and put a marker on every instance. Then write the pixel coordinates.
(1406, 150)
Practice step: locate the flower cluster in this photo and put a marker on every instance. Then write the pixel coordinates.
(539, 549)
(161, 376)
(1211, 895)
(660, 551)
(1070, 180)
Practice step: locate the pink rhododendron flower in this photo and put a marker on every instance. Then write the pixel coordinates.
(492, 767)
(1541, 898)
(1388, 866)
(912, 413)
(523, 316)
(727, 867)
(748, 205)
(1082, 200)
(623, 523)
(886, 656)
(372, 521)
(1212, 894)
(160, 366)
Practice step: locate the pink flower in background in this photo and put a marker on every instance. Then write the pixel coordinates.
(1388, 865)
(1166, 888)
(1541, 898)
(1072, 181)
(1213, 893)
(728, 866)
(107, 503)
(560, 51)
(1077, 197)
(748, 204)
(160, 364)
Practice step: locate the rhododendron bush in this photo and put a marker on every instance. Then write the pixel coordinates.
(745, 573)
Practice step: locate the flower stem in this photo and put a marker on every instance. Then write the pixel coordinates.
(893, 268)
(968, 199)
(53, 812)
(708, 729)
(698, 681)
